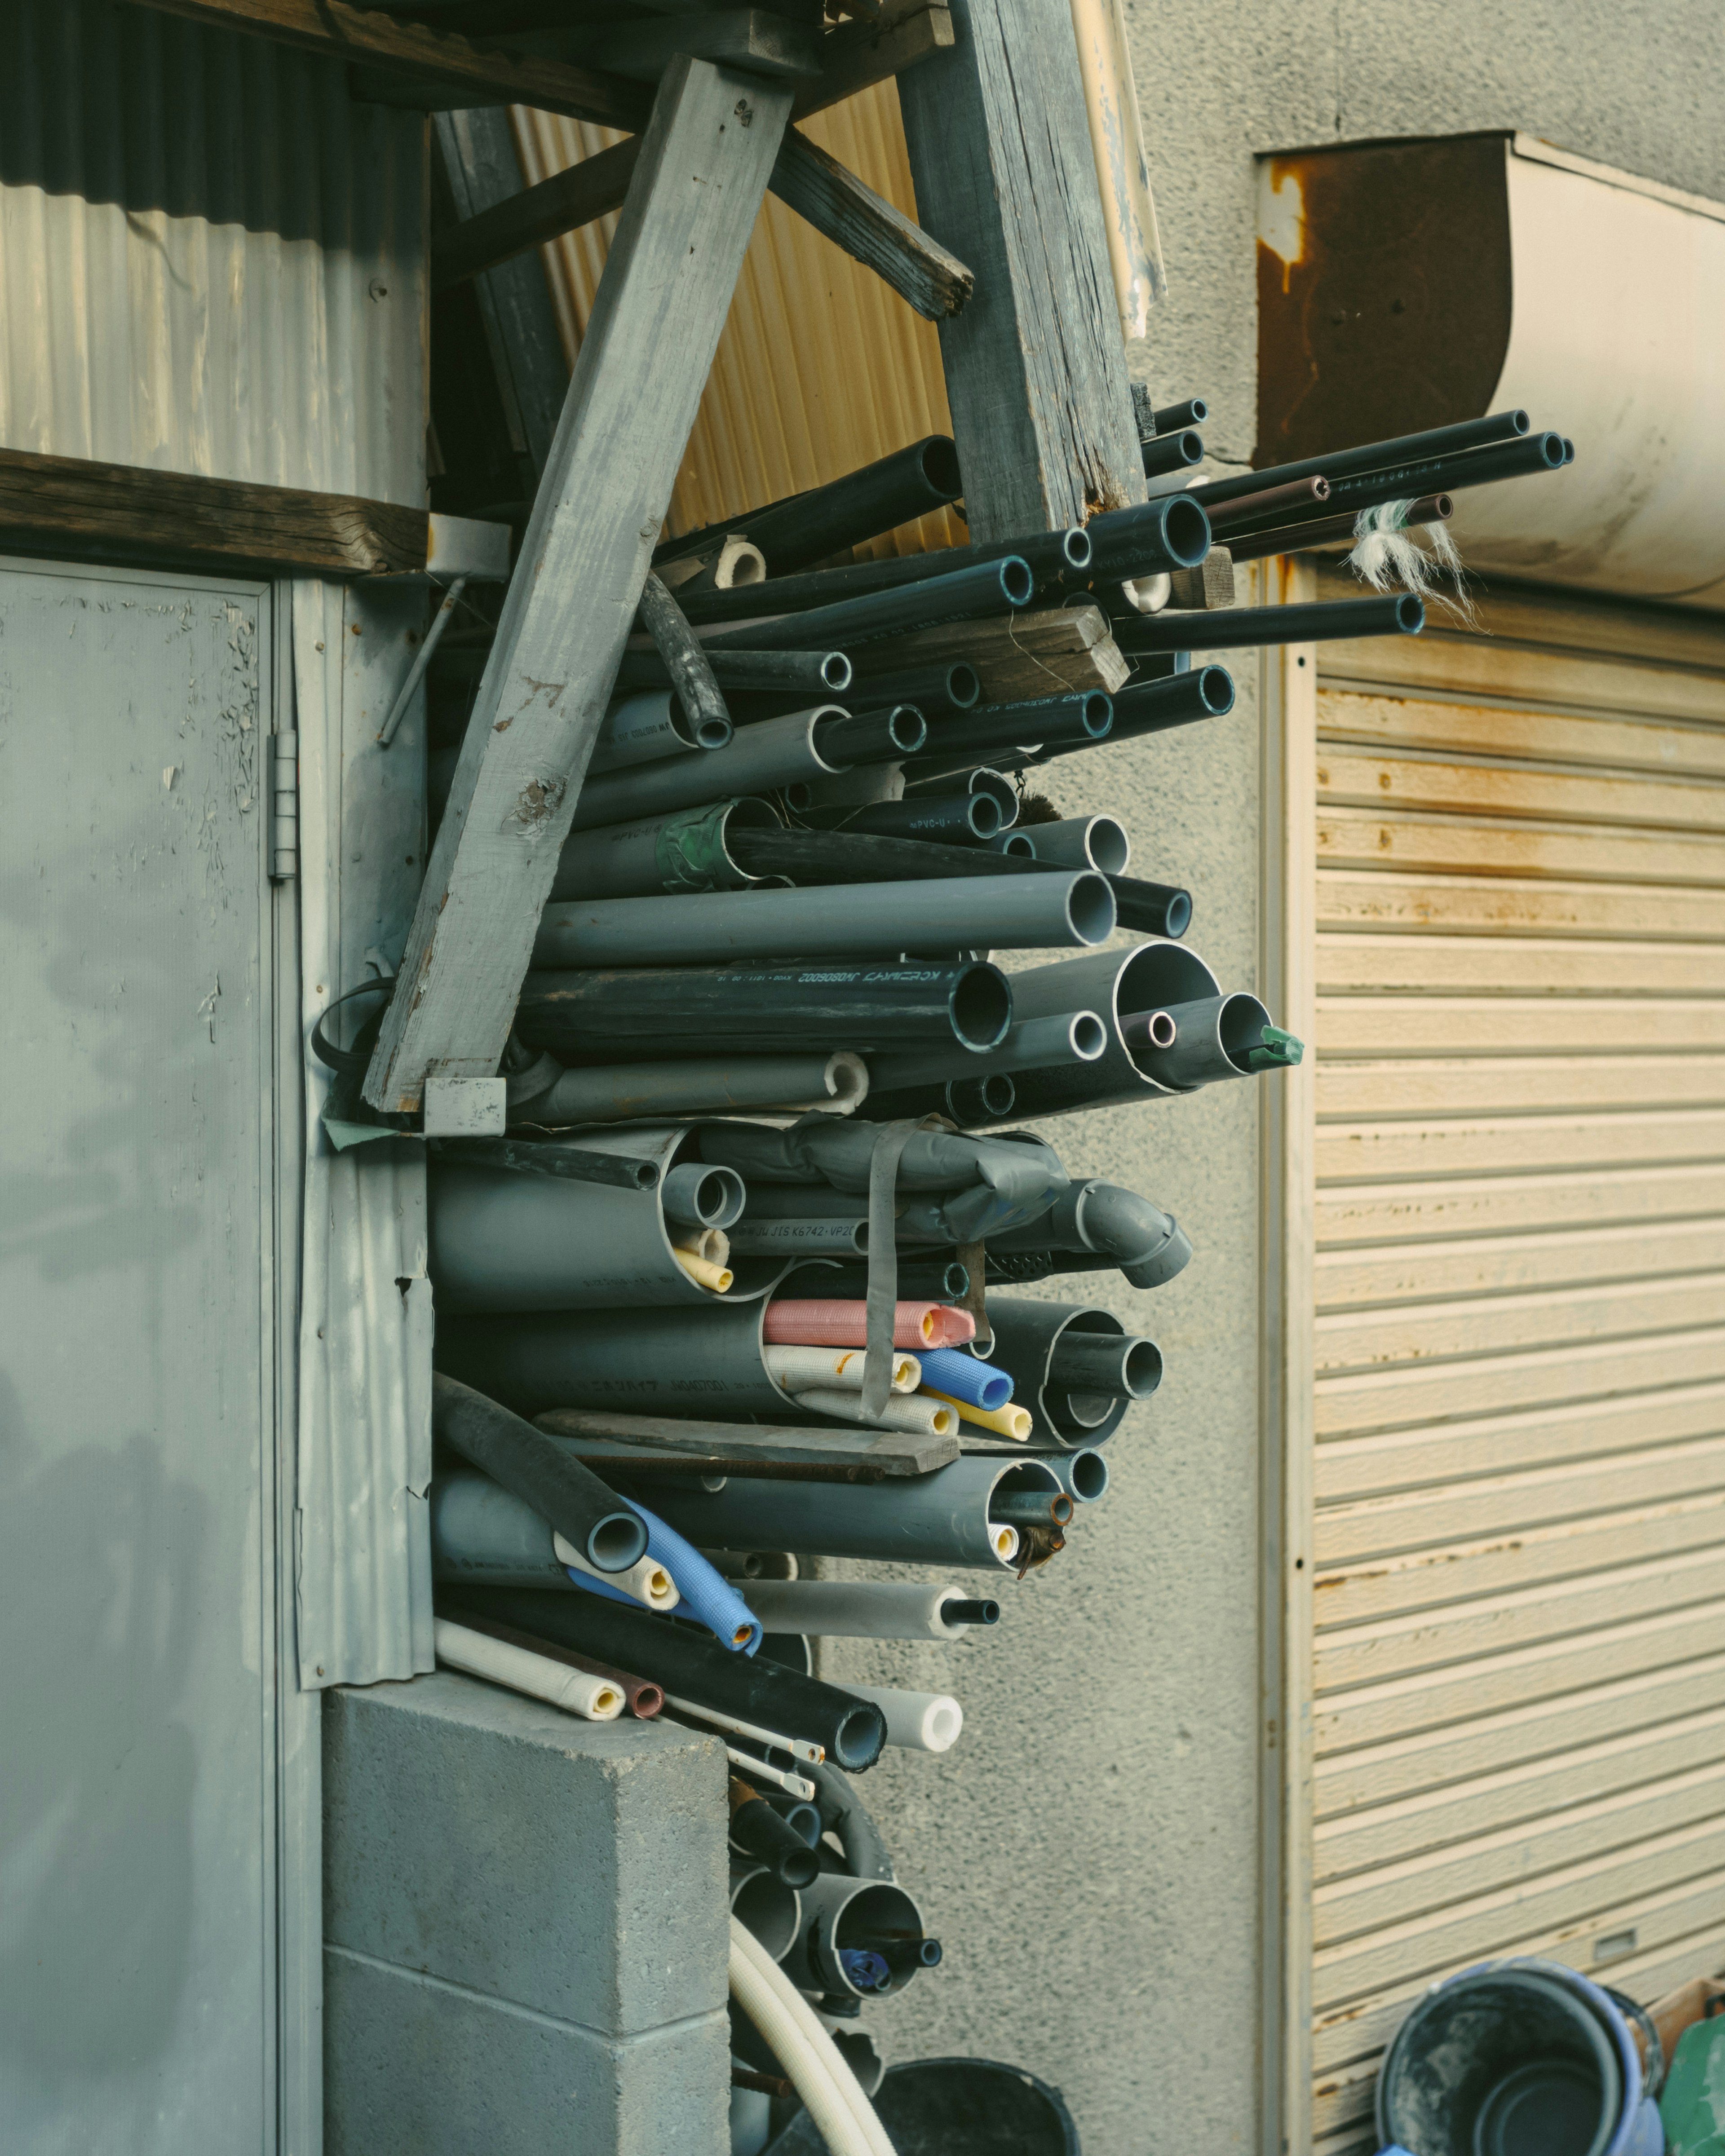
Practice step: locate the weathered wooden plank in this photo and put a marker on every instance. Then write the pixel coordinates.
(1573, 1145)
(119, 512)
(1038, 653)
(1540, 1085)
(661, 303)
(1449, 666)
(1349, 838)
(888, 41)
(485, 73)
(1577, 1197)
(1509, 1025)
(1001, 158)
(1479, 966)
(816, 186)
(1354, 1469)
(1500, 906)
(1472, 789)
(1692, 751)
(1410, 1273)
(898, 1452)
(751, 38)
(849, 213)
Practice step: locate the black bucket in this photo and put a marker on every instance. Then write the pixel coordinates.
(957, 2108)
(1502, 2062)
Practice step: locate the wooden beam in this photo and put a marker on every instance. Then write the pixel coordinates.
(845, 208)
(483, 73)
(753, 37)
(1001, 154)
(673, 265)
(125, 512)
(1037, 653)
(901, 35)
(835, 201)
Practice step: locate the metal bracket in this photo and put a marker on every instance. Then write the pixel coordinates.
(284, 807)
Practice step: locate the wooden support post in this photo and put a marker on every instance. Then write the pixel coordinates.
(1001, 154)
(697, 189)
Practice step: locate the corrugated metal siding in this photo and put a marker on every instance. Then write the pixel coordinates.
(211, 259)
(821, 368)
(1519, 1652)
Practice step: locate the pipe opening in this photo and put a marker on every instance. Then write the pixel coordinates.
(616, 1542)
(1089, 1410)
(1142, 1372)
(1090, 909)
(1076, 547)
(964, 685)
(1178, 915)
(968, 1609)
(907, 728)
(847, 1077)
(1410, 613)
(1098, 713)
(1016, 581)
(1087, 1473)
(1020, 845)
(980, 1005)
(1186, 531)
(1110, 848)
(1090, 1036)
(771, 1911)
(1240, 1026)
(854, 1741)
(982, 812)
(940, 465)
(1215, 690)
(944, 1723)
(835, 672)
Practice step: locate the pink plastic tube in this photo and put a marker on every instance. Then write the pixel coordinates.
(829, 1323)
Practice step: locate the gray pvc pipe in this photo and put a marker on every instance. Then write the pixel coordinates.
(767, 1237)
(697, 1195)
(645, 727)
(1026, 1335)
(678, 1362)
(757, 759)
(1204, 1031)
(1031, 1043)
(1084, 1475)
(941, 1518)
(838, 921)
(622, 1092)
(771, 1910)
(504, 1242)
(686, 851)
(1128, 1368)
(836, 1908)
(1076, 842)
(1147, 977)
(484, 1536)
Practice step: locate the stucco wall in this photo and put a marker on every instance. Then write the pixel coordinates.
(1090, 1853)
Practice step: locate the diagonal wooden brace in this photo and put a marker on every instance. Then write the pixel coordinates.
(704, 165)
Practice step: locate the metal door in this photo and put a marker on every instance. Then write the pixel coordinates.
(137, 1367)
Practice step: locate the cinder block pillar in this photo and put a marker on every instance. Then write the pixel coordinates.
(524, 1929)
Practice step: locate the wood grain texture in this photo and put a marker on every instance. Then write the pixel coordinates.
(901, 36)
(899, 1452)
(119, 512)
(483, 73)
(1449, 666)
(1673, 751)
(849, 213)
(1459, 1086)
(673, 266)
(1001, 157)
(1041, 652)
(1356, 781)
(1355, 838)
(751, 38)
(564, 202)
(1515, 1202)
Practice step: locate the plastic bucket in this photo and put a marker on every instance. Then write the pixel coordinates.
(957, 2108)
(1503, 2061)
(1639, 2130)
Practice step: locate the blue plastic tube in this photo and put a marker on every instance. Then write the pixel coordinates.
(705, 1594)
(949, 1370)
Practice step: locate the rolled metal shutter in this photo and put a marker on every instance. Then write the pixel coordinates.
(1518, 1669)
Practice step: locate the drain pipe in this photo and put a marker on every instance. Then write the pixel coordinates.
(753, 673)
(649, 726)
(626, 1092)
(1030, 1044)
(945, 820)
(1218, 1037)
(757, 759)
(870, 1610)
(917, 1721)
(610, 1535)
(692, 850)
(594, 1699)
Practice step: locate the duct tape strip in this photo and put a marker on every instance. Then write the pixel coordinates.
(883, 1262)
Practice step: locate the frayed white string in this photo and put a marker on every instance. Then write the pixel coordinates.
(1385, 555)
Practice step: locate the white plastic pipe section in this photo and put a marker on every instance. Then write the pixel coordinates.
(647, 1583)
(594, 1699)
(856, 1609)
(800, 1369)
(842, 2113)
(918, 1721)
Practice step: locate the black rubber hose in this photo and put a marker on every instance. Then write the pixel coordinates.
(759, 1831)
(541, 1472)
(842, 1813)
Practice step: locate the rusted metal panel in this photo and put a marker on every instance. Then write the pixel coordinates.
(1519, 1664)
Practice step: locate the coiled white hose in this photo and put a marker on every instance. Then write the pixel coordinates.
(812, 2060)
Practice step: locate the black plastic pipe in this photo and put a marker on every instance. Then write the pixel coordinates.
(759, 1831)
(952, 686)
(990, 588)
(565, 1163)
(879, 735)
(824, 520)
(1371, 456)
(1054, 559)
(596, 1017)
(1191, 414)
(1254, 545)
(1174, 451)
(796, 673)
(1050, 723)
(690, 670)
(848, 856)
(1400, 614)
(1153, 909)
(1274, 505)
(1540, 453)
(946, 820)
(1171, 532)
(981, 778)
(1180, 699)
(1121, 1367)
(685, 1662)
(965, 1101)
(539, 1472)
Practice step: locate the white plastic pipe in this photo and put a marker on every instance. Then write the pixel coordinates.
(794, 1785)
(799, 1368)
(499, 1662)
(919, 1721)
(812, 2062)
(647, 1583)
(920, 1413)
(857, 1608)
(799, 1747)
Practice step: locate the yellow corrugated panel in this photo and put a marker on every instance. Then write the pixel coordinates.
(821, 368)
(1519, 1664)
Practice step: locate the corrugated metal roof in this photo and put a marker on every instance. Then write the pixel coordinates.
(821, 367)
(211, 259)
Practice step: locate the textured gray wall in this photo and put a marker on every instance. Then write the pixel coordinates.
(1090, 1852)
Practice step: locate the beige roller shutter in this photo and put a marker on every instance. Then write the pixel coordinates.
(1517, 1737)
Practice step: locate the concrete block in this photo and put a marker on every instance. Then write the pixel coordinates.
(417, 2067)
(574, 1869)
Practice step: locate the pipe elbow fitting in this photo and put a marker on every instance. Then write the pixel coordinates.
(1147, 1244)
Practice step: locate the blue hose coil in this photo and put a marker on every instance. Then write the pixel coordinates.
(978, 1384)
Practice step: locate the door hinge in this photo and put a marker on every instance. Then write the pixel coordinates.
(284, 807)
